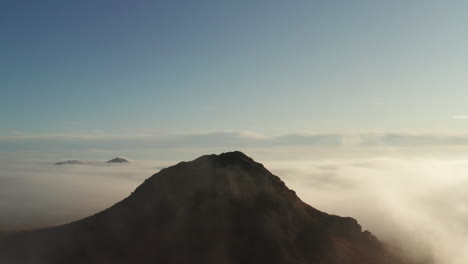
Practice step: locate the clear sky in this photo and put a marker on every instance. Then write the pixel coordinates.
(271, 67)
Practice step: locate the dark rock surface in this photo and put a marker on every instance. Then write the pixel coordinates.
(216, 209)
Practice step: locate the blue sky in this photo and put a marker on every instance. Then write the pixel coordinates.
(270, 67)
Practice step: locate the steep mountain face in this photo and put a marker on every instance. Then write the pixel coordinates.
(216, 209)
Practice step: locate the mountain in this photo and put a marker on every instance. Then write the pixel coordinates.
(216, 209)
(69, 162)
(79, 162)
(118, 160)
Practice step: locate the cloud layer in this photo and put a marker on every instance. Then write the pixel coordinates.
(417, 205)
(35, 192)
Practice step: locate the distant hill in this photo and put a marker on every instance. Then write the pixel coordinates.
(118, 160)
(69, 162)
(216, 209)
(79, 162)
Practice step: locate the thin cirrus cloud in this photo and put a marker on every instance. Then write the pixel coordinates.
(207, 139)
(157, 146)
(460, 117)
(413, 140)
(204, 142)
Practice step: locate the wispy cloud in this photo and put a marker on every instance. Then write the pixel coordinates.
(239, 138)
(414, 139)
(158, 146)
(187, 145)
(460, 117)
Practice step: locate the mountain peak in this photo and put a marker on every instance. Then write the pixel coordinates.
(234, 155)
(229, 157)
(231, 173)
(232, 158)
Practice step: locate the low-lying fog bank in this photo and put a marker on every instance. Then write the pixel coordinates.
(419, 206)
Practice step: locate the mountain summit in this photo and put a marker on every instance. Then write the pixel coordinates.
(216, 209)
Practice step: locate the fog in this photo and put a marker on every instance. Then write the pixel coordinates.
(416, 205)
(36, 193)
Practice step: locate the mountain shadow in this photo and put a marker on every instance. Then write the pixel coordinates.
(216, 209)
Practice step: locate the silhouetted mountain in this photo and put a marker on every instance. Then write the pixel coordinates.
(118, 160)
(69, 162)
(216, 209)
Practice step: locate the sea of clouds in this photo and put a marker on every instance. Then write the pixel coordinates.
(36, 192)
(410, 194)
(419, 206)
